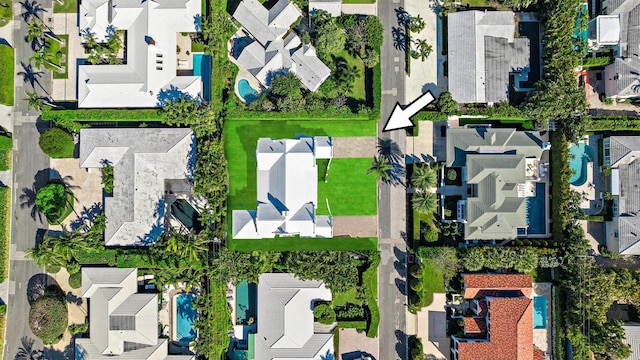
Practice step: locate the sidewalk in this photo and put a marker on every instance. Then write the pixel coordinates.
(424, 74)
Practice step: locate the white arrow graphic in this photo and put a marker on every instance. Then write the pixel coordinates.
(400, 117)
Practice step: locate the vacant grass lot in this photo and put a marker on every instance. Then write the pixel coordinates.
(432, 280)
(6, 74)
(349, 190)
(68, 6)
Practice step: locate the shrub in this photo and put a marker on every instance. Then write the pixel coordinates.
(78, 328)
(452, 175)
(52, 201)
(324, 314)
(415, 270)
(431, 235)
(415, 348)
(75, 280)
(107, 178)
(349, 312)
(57, 143)
(48, 318)
(446, 103)
(415, 284)
(3, 309)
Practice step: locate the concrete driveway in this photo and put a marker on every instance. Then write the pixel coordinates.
(432, 328)
(355, 226)
(352, 344)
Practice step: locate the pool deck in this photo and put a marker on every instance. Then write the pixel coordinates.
(542, 337)
(197, 202)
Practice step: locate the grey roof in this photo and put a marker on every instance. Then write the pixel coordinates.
(461, 141)
(121, 321)
(309, 68)
(143, 159)
(482, 52)
(285, 319)
(622, 78)
(632, 337)
(497, 212)
(266, 25)
(629, 235)
(263, 63)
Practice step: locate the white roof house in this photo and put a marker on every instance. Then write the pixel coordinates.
(152, 28)
(333, 7)
(146, 163)
(121, 322)
(285, 319)
(287, 181)
(270, 53)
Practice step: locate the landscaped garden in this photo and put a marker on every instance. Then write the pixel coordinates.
(63, 57)
(55, 201)
(65, 6)
(6, 74)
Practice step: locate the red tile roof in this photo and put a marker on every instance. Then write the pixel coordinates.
(538, 354)
(474, 283)
(510, 332)
(473, 325)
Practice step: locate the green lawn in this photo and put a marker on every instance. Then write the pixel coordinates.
(64, 57)
(432, 282)
(6, 12)
(6, 75)
(349, 189)
(358, 91)
(341, 298)
(69, 6)
(302, 244)
(6, 145)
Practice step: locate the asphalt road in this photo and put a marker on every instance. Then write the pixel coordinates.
(30, 169)
(391, 201)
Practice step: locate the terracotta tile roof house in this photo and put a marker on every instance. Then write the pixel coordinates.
(504, 331)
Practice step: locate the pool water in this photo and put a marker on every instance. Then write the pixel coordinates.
(539, 312)
(245, 90)
(185, 316)
(245, 302)
(536, 211)
(187, 215)
(202, 68)
(579, 156)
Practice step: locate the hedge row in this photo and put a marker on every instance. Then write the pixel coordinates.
(6, 144)
(603, 123)
(92, 115)
(326, 114)
(377, 90)
(358, 325)
(370, 283)
(5, 228)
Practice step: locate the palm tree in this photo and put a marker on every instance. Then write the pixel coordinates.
(423, 50)
(382, 168)
(189, 246)
(45, 255)
(32, 9)
(35, 33)
(416, 24)
(27, 350)
(35, 101)
(424, 202)
(423, 177)
(39, 58)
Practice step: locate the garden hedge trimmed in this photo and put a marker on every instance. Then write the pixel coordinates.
(75, 280)
(57, 143)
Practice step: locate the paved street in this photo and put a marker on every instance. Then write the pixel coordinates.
(30, 168)
(391, 203)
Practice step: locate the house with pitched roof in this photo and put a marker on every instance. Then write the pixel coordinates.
(285, 319)
(617, 27)
(622, 155)
(268, 53)
(122, 322)
(632, 338)
(148, 164)
(501, 172)
(483, 52)
(501, 323)
(287, 182)
(150, 67)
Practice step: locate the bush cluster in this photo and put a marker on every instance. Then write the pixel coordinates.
(75, 280)
(324, 314)
(48, 316)
(521, 259)
(57, 143)
(349, 312)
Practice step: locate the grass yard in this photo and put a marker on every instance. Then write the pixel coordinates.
(6, 144)
(341, 298)
(5, 230)
(67, 6)
(370, 283)
(6, 12)
(349, 190)
(432, 280)
(6, 74)
(358, 91)
(302, 244)
(64, 57)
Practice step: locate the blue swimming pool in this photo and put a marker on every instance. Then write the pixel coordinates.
(539, 312)
(202, 68)
(185, 316)
(197, 64)
(579, 156)
(246, 297)
(245, 90)
(536, 211)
